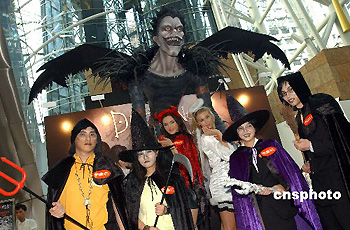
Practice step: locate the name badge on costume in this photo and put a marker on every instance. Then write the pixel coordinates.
(267, 152)
(102, 174)
(308, 119)
(178, 142)
(169, 190)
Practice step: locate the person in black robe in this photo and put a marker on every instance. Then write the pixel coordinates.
(325, 139)
(151, 165)
(56, 179)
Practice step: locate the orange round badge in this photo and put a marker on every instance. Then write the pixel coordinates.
(102, 174)
(178, 142)
(308, 119)
(170, 190)
(267, 152)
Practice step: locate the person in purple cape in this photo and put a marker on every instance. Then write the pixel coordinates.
(265, 166)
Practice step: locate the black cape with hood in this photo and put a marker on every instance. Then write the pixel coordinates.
(178, 204)
(325, 125)
(328, 131)
(179, 208)
(56, 179)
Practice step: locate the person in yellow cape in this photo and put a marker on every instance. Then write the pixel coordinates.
(85, 185)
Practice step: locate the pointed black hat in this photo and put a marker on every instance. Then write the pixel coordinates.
(235, 109)
(142, 138)
(260, 116)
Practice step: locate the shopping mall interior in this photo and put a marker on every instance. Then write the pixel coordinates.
(313, 34)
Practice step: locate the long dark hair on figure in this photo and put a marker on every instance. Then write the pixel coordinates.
(180, 123)
(254, 122)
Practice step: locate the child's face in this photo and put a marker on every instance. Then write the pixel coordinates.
(205, 119)
(147, 158)
(170, 125)
(246, 132)
(290, 96)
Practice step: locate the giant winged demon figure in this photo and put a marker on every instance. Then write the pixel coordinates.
(162, 72)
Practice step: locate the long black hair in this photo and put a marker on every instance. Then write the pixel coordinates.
(298, 84)
(254, 122)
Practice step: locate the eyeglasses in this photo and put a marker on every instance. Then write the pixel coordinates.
(84, 135)
(289, 91)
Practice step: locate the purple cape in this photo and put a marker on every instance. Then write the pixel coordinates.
(247, 216)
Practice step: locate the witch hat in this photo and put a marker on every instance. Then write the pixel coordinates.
(142, 138)
(260, 116)
(235, 109)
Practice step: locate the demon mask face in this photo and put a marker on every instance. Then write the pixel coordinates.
(170, 35)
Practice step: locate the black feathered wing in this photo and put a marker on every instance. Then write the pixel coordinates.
(81, 58)
(235, 40)
(202, 60)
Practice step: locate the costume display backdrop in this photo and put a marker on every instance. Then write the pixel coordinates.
(113, 121)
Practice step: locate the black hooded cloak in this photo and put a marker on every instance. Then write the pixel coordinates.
(57, 177)
(177, 203)
(321, 120)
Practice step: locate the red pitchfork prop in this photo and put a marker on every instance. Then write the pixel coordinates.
(20, 185)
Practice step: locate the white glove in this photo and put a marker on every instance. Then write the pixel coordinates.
(232, 181)
(246, 187)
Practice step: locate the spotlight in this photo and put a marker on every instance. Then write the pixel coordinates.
(105, 119)
(243, 99)
(66, 126)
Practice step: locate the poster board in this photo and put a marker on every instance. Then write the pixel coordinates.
(7, 215)
(113, 122)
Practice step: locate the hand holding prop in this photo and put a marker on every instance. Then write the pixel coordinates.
(182, 160)
(288, 114)
(20, 185)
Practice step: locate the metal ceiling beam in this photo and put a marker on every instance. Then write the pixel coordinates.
(312, 37)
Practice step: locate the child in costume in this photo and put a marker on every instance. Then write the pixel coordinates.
(145, 184)
(218, 152)
(267, 164)
(176, 135)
